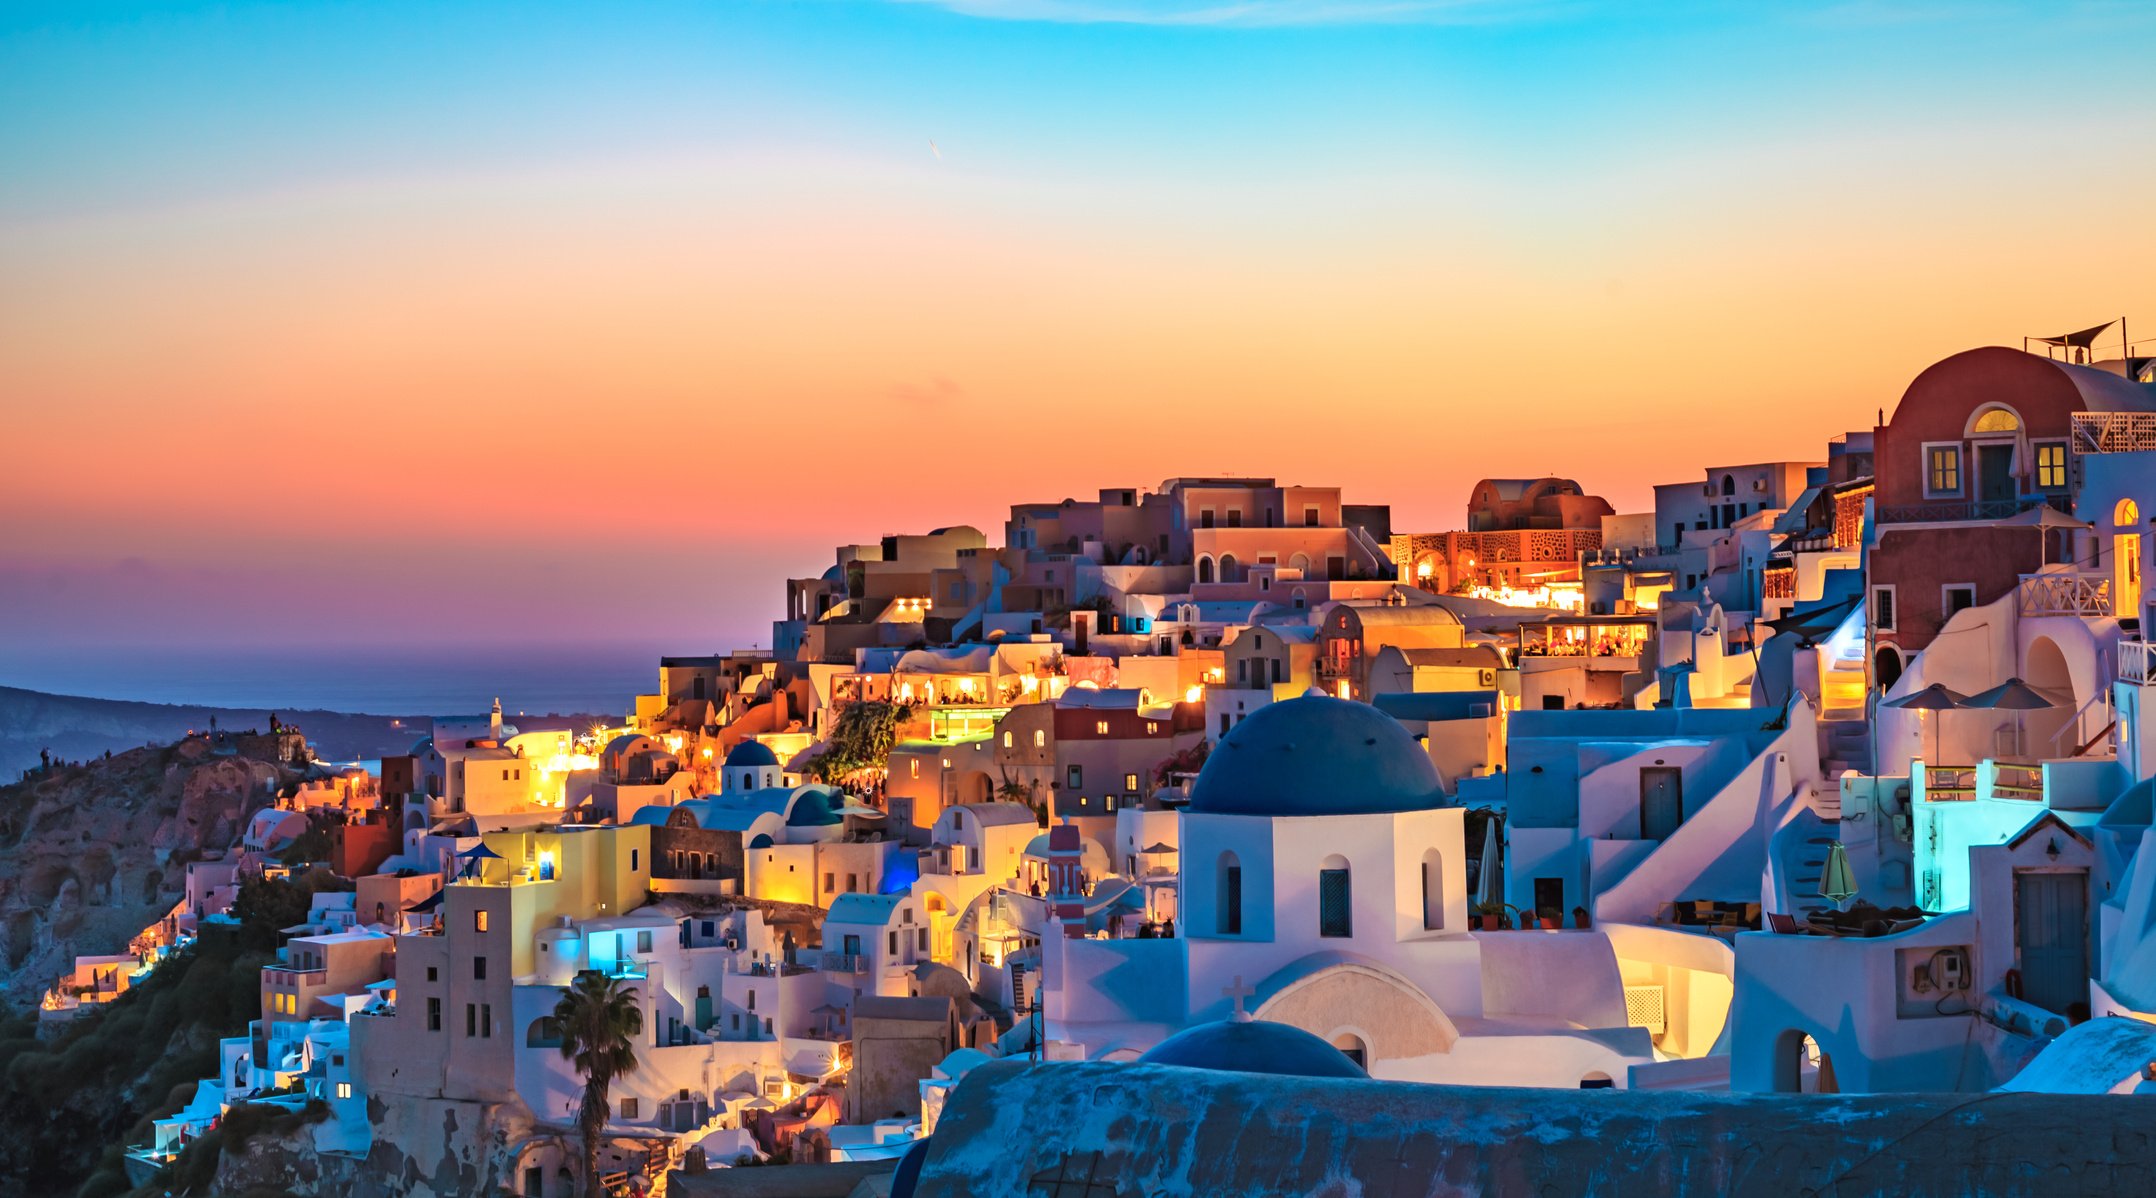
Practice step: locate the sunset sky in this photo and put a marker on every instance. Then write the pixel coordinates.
(363, 324)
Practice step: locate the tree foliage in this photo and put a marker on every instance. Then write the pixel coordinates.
(600, 1022)
(860, 739)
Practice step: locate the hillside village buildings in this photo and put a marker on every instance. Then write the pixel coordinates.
(1828, 774)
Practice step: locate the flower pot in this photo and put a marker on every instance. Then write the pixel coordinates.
(1549, 923)
(1491, 923)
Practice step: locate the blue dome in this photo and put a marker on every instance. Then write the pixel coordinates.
(1253, 1046)
(751, 754)
(1316, 756)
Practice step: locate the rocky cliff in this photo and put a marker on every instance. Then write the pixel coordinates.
(92, 854)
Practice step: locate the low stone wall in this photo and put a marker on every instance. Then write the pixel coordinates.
(1149, 1129)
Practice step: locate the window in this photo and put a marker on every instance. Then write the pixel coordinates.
(1100, 727)
(1007, 738)
(1954, 597)
(891, 943)
(628, 1108)
(1335, 898)
(344, 1089)
(2051, 466)
(921, 940)
(1040, 738)
(479, 969)
(434, 1014)
(1883, 608)
(1130, 782)
(913, 767)
(471, 1020)
(486, 1020)
(479, 921)
(1433, 891)
(1205, 517)
(1235, 517)
(1108, 802)
(1075, 777)
(1996, 420)
(633, 855)
(752, 1000)
(1231, 895)
(830, 882)
(1942, 470)
(643, 942)
(1310, 516)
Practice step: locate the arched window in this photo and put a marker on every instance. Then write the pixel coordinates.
(1433, 890)
(1228, 568)
(1352, 1047)
(2127, 514)
(1301, 563)
(1995, 419)
(1205, 569)
(1335, 898)
(1231, 894)
(543, 1033)
(1729, 484)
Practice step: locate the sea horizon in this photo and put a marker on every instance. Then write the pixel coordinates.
(419, 680)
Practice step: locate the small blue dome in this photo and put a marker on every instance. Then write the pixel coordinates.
(1253, 1046)
(751, 754)
(1316, 756)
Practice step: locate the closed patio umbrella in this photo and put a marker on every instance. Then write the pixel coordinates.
(1836, 883)
(1489, 886)
(1935, 697)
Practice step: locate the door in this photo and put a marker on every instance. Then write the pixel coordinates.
(2126, 575)
(1994, 473)
(1661, 802)
(2052, 931)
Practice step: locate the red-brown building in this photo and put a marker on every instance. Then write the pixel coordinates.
(1976, 453)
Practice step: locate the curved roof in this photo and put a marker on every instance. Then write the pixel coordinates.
(751, 753)
(1253, 1046)
(1316, 756)
(1426, 613)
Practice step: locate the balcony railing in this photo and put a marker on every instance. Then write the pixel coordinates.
(845, 963)
(2114, 432)
(2137, 665)
(1954, 510)
(2066, 594)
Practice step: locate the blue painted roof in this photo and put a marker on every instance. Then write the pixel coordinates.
(1253, 1046)
(1437, 705)
(750, 754)
(864, 908)
(1316, 756)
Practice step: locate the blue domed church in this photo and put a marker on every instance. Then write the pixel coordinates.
(1323, 882)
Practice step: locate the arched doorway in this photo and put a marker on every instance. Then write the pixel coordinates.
(1886, 667)
(1801, 1066)
(2045, 732)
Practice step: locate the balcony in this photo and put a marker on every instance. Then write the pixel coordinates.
(2066, 593)
(853, 963)
(1948, 511)
(2114, 432)
(2137, 665)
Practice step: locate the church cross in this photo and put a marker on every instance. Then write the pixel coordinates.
(1236, 993)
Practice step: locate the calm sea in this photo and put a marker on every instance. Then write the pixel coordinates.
(597, 679)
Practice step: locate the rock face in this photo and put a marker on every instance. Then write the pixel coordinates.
(90, 855)
(422, 1148)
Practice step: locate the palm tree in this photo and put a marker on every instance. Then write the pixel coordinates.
(599, 1022)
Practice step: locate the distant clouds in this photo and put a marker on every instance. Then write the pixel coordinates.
(1257, 13)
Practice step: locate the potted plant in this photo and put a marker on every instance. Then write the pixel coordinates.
(1548, 916)
(1493, 915)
